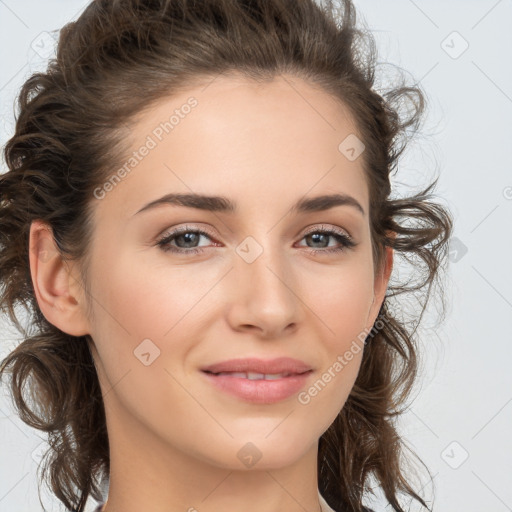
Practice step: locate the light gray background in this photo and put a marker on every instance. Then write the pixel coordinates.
(460, 421)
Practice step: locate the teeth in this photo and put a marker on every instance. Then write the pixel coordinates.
(234, 374)
(274, 376)
(255, 376)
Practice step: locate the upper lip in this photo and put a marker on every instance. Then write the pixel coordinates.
(265, 366)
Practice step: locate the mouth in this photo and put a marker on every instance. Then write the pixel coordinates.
(253, 366)
(256, 375)
(258, 388)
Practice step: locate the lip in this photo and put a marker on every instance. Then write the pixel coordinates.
(259, 391)
(254, 364)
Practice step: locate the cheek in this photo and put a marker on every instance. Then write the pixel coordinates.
(345, 313)
(342, 300)
(145, 324)
(143, 300)
(342, 310)
(133, 311)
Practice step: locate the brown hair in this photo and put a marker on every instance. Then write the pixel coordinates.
(70, 134)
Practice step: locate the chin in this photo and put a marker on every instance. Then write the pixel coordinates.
(258, 452)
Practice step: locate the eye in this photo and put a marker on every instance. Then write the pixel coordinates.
(183, 236)
(320, 236)
(186, 238)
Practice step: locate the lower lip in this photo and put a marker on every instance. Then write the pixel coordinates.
(260, 391)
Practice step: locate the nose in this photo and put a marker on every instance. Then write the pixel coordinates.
(265, 295)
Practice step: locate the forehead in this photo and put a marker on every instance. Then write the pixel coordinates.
(233, 136)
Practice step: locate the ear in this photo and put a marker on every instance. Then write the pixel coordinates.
(58, 293)
(381, 283)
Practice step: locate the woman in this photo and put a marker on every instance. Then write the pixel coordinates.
(197, 214)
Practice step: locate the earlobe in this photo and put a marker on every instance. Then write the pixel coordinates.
(51, 281)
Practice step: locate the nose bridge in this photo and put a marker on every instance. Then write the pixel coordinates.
(264, 283)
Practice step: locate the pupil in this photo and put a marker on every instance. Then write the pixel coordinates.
(188, 235)
(316, 236)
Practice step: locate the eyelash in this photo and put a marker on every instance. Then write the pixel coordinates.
(164, 243)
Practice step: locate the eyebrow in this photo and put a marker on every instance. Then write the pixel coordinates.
(225, 205)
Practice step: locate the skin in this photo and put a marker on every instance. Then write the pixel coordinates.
(174, 438)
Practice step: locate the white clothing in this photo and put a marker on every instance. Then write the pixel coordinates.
(323, 504)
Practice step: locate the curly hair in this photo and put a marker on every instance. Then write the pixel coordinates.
(116, 60)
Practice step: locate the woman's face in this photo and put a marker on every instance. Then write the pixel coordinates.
(266, 280)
